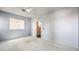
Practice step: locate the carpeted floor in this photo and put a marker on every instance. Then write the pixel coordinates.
(33, 44)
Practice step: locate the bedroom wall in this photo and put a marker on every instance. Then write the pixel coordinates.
(6, 33)
(64, 26)
(45, 27)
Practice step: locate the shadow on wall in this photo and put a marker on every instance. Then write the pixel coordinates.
(2, 38)
(12, 35)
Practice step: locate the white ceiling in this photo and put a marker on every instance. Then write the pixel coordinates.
(35, 11)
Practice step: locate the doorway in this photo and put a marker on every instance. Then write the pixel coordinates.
(38, 29)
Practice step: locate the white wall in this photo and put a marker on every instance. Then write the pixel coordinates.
(60, 26)
(64, 26)
(34, 27)
(45, 27)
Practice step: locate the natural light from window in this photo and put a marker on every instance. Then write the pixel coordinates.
(16, 23)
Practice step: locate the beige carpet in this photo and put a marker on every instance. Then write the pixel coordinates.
(33, 44)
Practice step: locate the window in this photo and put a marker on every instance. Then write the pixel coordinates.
(16, 23)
